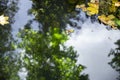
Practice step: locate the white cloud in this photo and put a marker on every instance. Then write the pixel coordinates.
(93, 44)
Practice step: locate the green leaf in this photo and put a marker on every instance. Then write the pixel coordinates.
(26, 60)
(57, 36)
(117, 21)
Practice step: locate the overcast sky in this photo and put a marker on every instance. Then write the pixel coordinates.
(93, 44)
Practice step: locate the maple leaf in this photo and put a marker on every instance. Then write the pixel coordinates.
(4, 20)
(103, 19)
(107, 20)
(93, 8)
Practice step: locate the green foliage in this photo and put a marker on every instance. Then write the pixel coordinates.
(115, 62)
(46, 57)
(104, 6)
(57, 37)
(69, 70)
(53, 12)
(8, 66)
(72, 1)
(117, 21)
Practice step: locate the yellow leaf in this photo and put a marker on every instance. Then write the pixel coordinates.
(82, 6)
(94, 5)
(111, 16)
(107, 20)
(114, 27)
(111, 23)
(94, 1)
(114, 1)
(69, 31)
(117, 4)
(102, 18)
(93, 8)
(4, 20)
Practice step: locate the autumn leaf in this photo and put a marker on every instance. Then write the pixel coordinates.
(82, 6)
(111, 23)
(102, 18)
(117, 4)
(4, 20)
(114, 1)
(107, 20)
(93, 8)
(94, 1)
(69, 31)
(93, 5)
(111, 16)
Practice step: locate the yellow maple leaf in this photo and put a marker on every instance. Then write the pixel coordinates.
(94, 5)
(102, 18)
(93, 8)
(107, 20)
(4, 20)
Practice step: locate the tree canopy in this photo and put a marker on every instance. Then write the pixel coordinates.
(46, 57)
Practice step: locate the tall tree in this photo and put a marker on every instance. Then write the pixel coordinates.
(53, 12)
(47, 58)
(8, 69)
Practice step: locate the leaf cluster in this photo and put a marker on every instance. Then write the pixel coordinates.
(108, 11)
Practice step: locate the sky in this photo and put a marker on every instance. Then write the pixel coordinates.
(93, 43)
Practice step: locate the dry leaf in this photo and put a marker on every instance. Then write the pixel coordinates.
(69, 31)
(82, 6)
(117, 4)
(94, 1)
(4, 20)
(107, 20)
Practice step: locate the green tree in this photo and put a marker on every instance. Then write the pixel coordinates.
(115, 62)
(46, 57)
(8, 68)
(53, 12)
